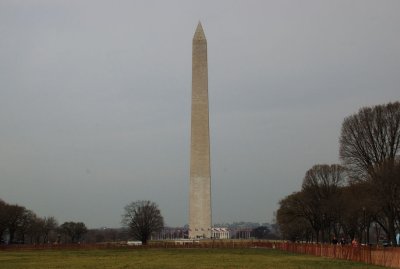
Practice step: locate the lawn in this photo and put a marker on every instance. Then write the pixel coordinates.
(169, 258)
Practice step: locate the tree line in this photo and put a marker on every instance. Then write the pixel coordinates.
(19, 225)
(360, 196)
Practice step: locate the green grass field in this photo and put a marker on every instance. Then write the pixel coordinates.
(168, 258)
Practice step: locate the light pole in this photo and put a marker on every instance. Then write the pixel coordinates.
(365, 224)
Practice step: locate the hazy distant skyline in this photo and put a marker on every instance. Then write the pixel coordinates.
(95, 100)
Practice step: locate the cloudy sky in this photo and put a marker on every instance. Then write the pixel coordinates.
(95, 99)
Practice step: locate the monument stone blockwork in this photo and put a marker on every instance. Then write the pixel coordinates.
(200, 176)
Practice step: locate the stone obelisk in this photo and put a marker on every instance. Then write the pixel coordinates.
(200, 177)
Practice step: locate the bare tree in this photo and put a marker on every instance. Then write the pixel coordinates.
(294, 219)
(384, 190)
(319, 203)
(143, 218)
(356, 216)
(74, 230)
(3, 219)
(324, 179)
(27, 225)
(49, 224)
(370, 137)
(19, 223)
(15, 219)
(34, 229)
(369, 148)
(322, 196)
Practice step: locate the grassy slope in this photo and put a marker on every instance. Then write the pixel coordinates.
(169, 258)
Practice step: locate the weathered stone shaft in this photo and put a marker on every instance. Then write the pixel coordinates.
(200, 176)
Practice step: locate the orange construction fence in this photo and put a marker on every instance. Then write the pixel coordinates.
(384, 256)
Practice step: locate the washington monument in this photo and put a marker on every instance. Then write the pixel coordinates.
(200, 178)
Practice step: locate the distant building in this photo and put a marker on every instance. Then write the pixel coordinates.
(242, 233)
(220, 233)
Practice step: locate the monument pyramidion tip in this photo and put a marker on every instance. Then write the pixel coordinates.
(199, 34)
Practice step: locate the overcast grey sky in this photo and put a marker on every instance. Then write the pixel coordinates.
(95, 99)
